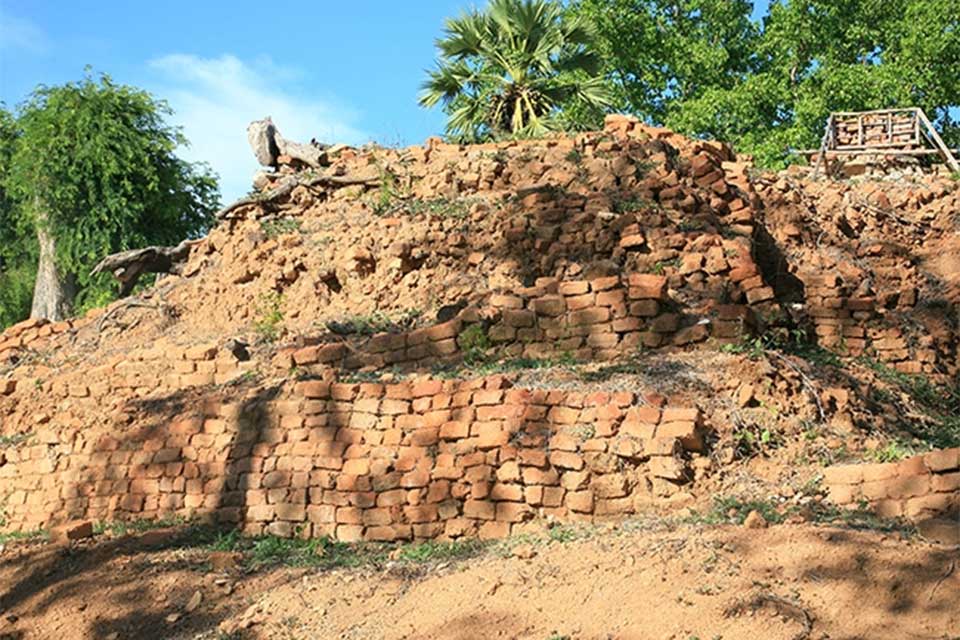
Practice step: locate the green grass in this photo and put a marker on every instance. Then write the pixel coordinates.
(432, 551)
(628, 204)
(323, 552)
(440, 207)
(14, 440)
(379, 322)
(119, 528)
(474, 343)
(17, 536)
(734, 510)
(941, 403)
(485, 367)
(890, 452)
(280, 226)
(269, 322)
(604, 373)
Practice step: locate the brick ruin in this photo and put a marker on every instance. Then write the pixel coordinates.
(594, 249)
(366, 461)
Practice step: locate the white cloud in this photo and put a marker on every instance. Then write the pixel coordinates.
(216, 98)
(20, 33)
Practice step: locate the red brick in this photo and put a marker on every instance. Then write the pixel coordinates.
(942, 460)
(513, 512)
(589, 316)
(479, 510)
(647, 286)
(579, 501)
(493, 530)
(566, 460)
(573, 288)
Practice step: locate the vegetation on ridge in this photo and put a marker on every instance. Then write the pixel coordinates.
(508, 70)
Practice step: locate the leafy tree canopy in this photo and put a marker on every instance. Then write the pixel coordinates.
(94, 165)
(509, 69)
(704, 68)
(17, 250)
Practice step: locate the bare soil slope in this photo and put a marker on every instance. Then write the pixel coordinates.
(637, 581)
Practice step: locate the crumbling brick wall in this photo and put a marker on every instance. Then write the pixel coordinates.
(363, 461)
(914, 488)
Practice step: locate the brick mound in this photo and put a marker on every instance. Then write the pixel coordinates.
(294, 376)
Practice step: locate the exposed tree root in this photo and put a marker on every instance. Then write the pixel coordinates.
(289, 183)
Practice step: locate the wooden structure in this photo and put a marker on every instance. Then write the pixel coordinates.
(884, 131)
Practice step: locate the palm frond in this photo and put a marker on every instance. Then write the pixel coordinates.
(510, 68)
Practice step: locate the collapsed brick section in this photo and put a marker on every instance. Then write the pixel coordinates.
(874, 264)
(366, 461)
(918, 487)
(599, 319)
(31, 334)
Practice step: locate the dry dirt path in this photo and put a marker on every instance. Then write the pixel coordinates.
(706, 583)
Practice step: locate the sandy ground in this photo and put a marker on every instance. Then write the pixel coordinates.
(626, 583)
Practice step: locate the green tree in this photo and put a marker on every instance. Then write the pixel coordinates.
(657, 54)
(17, 254)
(94, 172)
(510, 70)
(704, 68)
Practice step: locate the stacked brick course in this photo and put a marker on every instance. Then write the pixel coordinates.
(365, 461)
(31, 334)
(914, 488)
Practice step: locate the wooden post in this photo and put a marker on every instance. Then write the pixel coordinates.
(938, 142)
(828, 130)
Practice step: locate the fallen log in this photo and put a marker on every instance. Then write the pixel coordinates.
(128, 266)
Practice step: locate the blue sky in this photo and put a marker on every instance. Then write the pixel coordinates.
(337, 71)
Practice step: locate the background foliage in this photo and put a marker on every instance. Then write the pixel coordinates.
(93, 161)
(513, 69)
(702, 67)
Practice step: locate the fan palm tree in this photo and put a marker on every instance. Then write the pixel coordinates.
(510, 69)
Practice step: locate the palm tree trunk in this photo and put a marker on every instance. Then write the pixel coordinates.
(53, 292)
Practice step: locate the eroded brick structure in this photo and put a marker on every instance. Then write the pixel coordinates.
(363, 461)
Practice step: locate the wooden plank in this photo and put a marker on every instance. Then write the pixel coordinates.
(875, 111)
(938, 141)
(822, 159)
(878, 152)
(878, 145)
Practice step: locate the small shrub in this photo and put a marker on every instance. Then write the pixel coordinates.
(941, 403)
(433, 551)
(379, 322)
(440, 207)
(890, 452)
(734, 510)
(628, 204)
(474, 343)
(751, 439)
(660, 267)
(280, 226)
(691, 225)
(14, 440)
(269, 323)
(14, 536)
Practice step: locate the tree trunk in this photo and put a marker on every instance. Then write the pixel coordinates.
(53, 293)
